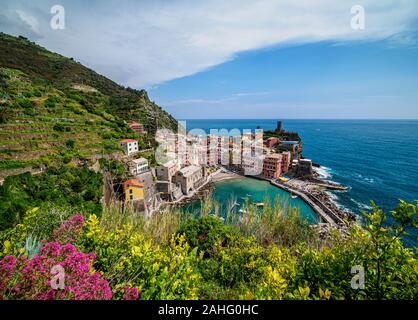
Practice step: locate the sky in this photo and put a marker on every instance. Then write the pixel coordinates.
(240, 58)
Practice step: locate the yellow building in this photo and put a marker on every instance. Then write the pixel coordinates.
(134, 190)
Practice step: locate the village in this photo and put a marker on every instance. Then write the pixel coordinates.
(187, 163)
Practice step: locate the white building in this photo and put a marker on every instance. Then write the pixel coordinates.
(129, 146)
(138, 166)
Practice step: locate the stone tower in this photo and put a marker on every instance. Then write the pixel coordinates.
(279, 126)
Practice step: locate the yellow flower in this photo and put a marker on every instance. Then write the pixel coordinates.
(324, 294)
(7, 247)
(136, 251)
(304, 292)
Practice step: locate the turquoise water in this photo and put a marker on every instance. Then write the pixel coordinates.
(376, 159)
(238, 190)
(258, 191)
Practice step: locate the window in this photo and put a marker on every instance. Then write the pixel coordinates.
(131, 197)
(130, 191)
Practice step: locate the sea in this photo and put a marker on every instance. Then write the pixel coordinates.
(376, 159)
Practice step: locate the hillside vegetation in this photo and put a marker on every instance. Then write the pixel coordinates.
(54, 109)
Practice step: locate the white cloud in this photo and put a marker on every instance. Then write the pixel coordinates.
(31, 21)
(251, 94)
(233, 97)
(143, 43)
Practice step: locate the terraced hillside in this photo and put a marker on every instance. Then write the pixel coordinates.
(54, 109)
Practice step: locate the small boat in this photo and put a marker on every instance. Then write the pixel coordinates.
(294, 196)
(260, 204)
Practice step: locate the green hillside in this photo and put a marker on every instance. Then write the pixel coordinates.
(54, 109)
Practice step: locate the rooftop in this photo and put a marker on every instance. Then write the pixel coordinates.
(274, 156)
(127, 140)
(289, 142)
(188, 171)
(169, 164)
(132, 183)
(305, 160)
(134, 123)
(140, 160)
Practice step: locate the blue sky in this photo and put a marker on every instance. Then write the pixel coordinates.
(376, 79)
(241, 58)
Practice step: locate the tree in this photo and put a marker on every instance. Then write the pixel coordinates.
(386, 248)
(70, 143)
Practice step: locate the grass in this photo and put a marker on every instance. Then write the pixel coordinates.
(270, 225)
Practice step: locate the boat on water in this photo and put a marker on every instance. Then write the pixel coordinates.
(259, 204)
(294, 196)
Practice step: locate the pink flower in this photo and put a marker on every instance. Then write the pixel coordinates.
(69, 230)
(32, 279)
(131, 293)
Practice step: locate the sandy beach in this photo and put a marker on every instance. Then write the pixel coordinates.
(221, 176)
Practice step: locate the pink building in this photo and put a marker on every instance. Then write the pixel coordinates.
(271, 142)
(285, 161)
(272, 166)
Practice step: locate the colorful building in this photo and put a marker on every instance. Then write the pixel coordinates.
(136, 127)
(286, 156)
(134, 190)
(272, 166)
(271, 142)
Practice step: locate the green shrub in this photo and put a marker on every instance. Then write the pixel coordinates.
(37, 93)
(73, 188)
(67, 158)
(159, 272)
(59, 127)
(70, 143)
(5, 114)
(205, 232)
(24, 103)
